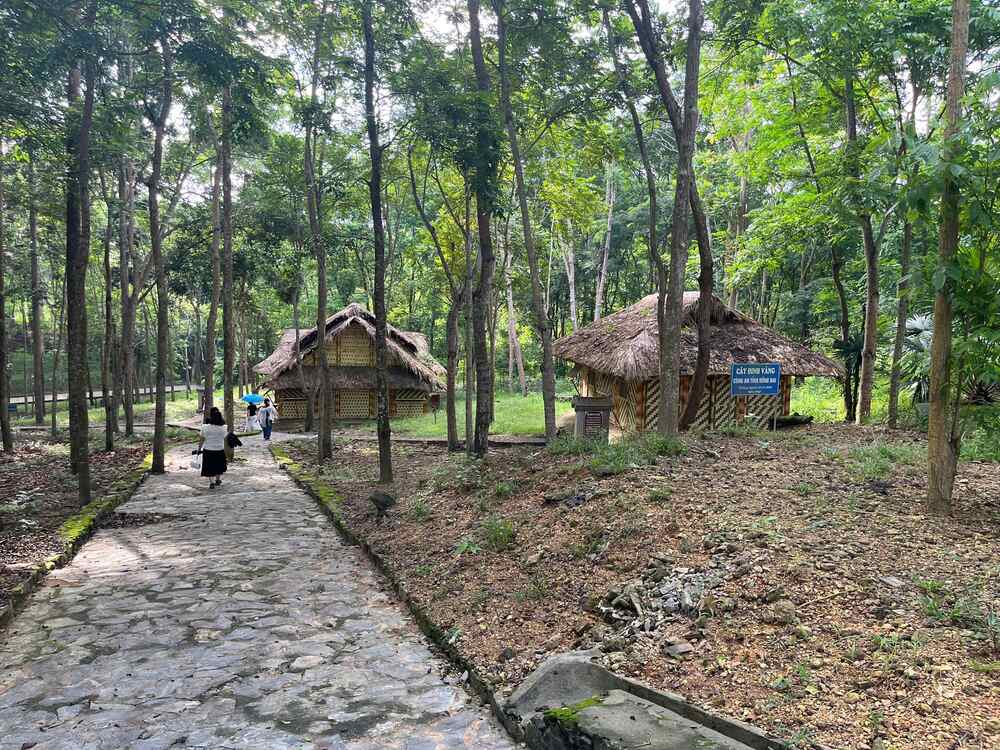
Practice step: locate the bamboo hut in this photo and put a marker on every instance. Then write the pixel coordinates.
(617, 357)
(414, 376)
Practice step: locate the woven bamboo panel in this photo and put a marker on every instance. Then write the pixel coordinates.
(652, 407)
(353, 349)
(760, 409)
(410, 394)
(405, 409)
(703, 420)
(723, 404)
(354, 404)
(626, 406)
(292, 408)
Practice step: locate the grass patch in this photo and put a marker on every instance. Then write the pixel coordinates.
(498, 534)
(878, 459)
(514, 415)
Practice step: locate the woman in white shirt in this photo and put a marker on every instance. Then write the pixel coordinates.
(213, 448)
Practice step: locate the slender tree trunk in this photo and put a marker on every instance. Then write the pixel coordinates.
(6, 436)
(77, 257)
(850, 403)
(481, 296)
(213, 308)
(516, 356)
(868, 350)
(452, 324)
(156, 244)
(943, 433)
(110, 413)
(902, 312)
(538, 298)
(306, 390)
(706, 286)
(569, 264)
(378, 228)
(228, 309)
(37, 340)
(126, 354)
(470, 354)
(61, 318)
(602, 266)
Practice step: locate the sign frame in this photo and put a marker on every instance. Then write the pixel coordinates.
(755, 379)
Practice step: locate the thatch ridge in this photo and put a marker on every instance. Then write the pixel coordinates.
(625, 344)
(409, 348)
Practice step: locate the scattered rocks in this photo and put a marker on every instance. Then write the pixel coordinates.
(677, 648)
(534, 558)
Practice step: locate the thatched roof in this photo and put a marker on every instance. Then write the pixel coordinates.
(408, 352)
(625, 343)
(350, 378)
(277, 358)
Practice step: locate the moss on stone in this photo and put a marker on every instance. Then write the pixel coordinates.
(570, 715)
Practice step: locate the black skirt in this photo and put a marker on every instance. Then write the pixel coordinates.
(213, 463)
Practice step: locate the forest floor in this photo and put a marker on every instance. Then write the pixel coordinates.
(791, 579)
(40, 495)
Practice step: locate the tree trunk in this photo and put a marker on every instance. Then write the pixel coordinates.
(6, 436)
(213, 308)
(902, 312)
(602, 266)
(706, 286)
(481, 296)
(867, 378)
(126, 354)
(160, 269)
(306, 390)
(228, 310)
(453, 313)
(470, 356)
(514, 341)
(378, 228)
(110, 412)
(538, 299)
(58, 351)
(77, 257)
(943, 434)
(684, 124)
(569, 264)
(37, 340)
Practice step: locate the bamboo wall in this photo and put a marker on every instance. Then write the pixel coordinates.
(635, 405)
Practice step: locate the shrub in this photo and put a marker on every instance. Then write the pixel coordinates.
(467, 547)
(420, 510)
(459, 473)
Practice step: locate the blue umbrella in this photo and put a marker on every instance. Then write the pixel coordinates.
(253, 398)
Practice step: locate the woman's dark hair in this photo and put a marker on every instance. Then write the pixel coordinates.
(215, 417)
(267, 402)
(251, 410)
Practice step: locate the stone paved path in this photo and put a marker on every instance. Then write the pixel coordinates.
(243, 623)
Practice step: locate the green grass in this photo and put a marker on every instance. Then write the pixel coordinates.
(515, 415)
(877, 460)
(181, 407)
(823, 400)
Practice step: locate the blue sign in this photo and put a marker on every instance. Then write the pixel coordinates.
(755, 379)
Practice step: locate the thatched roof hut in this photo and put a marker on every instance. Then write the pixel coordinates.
(625, 344)
(618, 357)
(412, 373)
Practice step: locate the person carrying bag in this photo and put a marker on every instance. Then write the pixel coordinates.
(268, 416)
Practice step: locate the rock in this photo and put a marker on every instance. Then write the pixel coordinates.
(306, 662)
(589, 602)
(382, 502)
(992, 726)
(803, 632)
(534, 559)
(825, 565)
(678, 648)
(782, 612)
(506, 655)
(853, 697)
